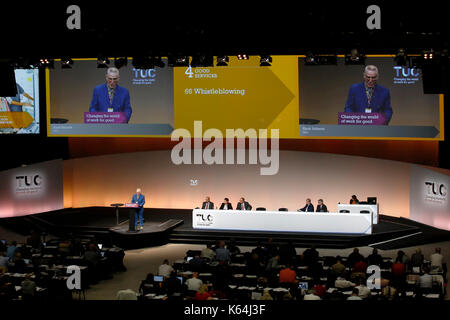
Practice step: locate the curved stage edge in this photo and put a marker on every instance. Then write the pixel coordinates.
(164, 226)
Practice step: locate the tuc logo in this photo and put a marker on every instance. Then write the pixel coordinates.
(405, 75)
(144, 76)
(436, 192)
(28, 184)
(204, 220)
(436, 189)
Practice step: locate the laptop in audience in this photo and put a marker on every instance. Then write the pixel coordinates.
(158, 278)
(3, 241)
(100, 246)
(102, 253)
(181, 279)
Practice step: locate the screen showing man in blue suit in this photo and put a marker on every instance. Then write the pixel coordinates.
(370, 97)
(139, 199)
(110, 97)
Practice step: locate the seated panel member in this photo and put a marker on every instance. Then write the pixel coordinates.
(368, 96)
(321, 207)
(308, 206)
(226, 205)
(354, 200)
(207, 204)
(110, 97)
(243, 205)
(139, 199)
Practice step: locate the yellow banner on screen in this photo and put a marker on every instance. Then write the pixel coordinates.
(250, 97)
(15, 120)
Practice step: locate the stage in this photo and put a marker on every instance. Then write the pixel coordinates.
(175, 226)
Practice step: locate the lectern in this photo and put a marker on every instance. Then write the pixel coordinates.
(132, 221)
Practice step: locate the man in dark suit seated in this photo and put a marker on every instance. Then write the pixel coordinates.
(207, 204)
(321, 207)
(243, 205)
(308, 206)
(226, 205)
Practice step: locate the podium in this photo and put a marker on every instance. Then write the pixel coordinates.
(132, 221)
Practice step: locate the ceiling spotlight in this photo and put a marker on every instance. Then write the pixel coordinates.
(355, 57)
(428, 55)
(310, 59)
(222, 61)
(178, 61)
(120, 62)
(46, 63)
(202, 60)
(102, 62)
(401, 57)
(265, 61)
(66, 63)
(242, 56)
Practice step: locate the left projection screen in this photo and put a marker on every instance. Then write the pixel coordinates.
(20, 114)
(31, 189)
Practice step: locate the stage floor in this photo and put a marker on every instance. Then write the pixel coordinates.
(175, 226)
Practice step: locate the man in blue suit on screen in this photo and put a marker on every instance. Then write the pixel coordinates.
(139, 199)
(368, 96)
(110, 97)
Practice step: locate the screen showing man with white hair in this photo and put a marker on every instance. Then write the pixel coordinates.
(369, 97)
(110, 97)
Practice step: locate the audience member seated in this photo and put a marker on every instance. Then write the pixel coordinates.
(202, 293)
(319, 289)
(288, 275)
(310, 256)
(363, 290)
(287, 253)
(271, 248)
(172, 284)
(375, 258)
(208, 253)
(388, 292)
(34, 239)
(273, 264)
(260, 252)
(254, 265)
(3, 262)
(127, 294)
(165, 269)
(425, 281)
(398, 271)
(354, 257)
(355, 295)
(312, 295)
(11, 250)
(19, 263)
(92, 255)
(343, 283)
(402, 257)
(233, 248)
(437, 260)
(197, 264)
(417, 259)
(266, 296)
(360, 266)
(28, 288)
(315, 270)
(222, 253)
(338, 269)
(194, 283)
(147, 282)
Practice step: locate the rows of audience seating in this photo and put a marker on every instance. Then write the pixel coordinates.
(37, 269)
(277, 272)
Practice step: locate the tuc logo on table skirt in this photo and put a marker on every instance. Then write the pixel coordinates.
(204, 219)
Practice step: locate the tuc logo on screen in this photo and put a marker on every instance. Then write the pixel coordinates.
(144, 76)
(28, 184)
(436, 192)
(204, 220)
(404, 75)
